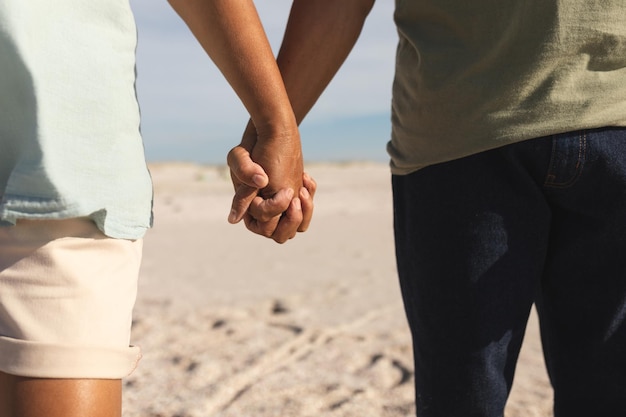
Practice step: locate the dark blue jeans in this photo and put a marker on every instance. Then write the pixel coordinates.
(482, 238)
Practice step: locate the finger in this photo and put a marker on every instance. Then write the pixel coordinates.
(245, 169)
(244, 195)
(309, 183)
(261, 228)
(306, 201)
(263, 210)
(289, 222)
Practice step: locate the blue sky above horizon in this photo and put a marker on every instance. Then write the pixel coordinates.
(189, 112)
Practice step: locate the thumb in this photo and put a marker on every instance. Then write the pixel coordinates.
(241, 202)
(245, 169)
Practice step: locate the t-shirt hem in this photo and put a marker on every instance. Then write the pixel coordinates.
(112, 226)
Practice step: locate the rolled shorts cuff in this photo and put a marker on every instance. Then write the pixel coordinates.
(67, 293)
(45, 360)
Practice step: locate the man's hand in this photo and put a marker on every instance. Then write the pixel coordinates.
(277, 206)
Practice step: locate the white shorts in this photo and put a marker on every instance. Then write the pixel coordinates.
(66, 298)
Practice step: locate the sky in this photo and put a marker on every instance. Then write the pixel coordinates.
(190, 113)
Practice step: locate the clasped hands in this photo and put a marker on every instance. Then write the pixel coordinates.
(273, 195)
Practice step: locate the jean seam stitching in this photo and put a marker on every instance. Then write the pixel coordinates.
(582, 152)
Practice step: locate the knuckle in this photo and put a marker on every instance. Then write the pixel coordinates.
(280, 240)
(264, 217)
(230, 157)
(267, 229)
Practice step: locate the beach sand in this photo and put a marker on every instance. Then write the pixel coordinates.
(234, 325)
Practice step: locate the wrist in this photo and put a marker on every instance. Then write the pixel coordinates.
(278, 129)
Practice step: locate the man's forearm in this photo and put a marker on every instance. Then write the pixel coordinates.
(232, 35)
(319, 36)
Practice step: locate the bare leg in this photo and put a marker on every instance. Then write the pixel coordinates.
(36, 397)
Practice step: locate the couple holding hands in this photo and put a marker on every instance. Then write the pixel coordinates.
(508, 162)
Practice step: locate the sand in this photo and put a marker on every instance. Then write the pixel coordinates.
(234, 325)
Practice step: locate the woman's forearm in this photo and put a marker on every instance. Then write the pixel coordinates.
(231, 33)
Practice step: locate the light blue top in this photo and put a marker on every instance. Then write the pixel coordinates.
(70, 143)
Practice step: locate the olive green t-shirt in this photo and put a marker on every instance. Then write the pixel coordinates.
(476, 75)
